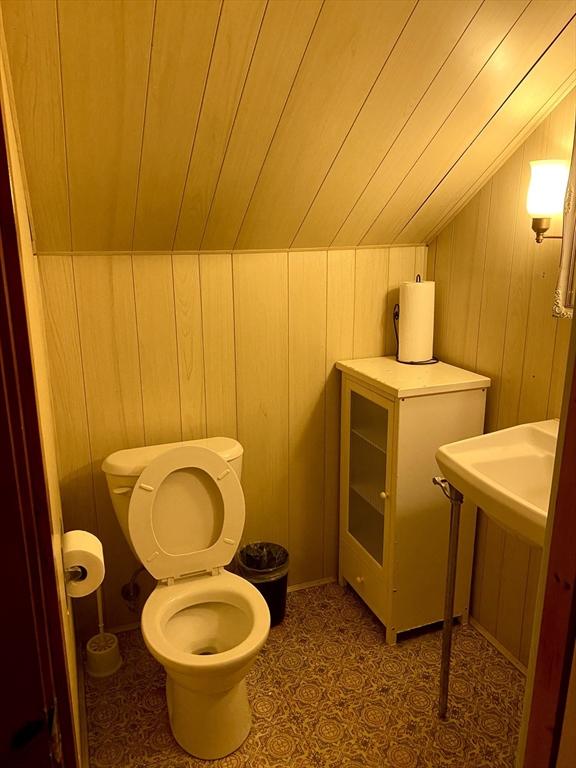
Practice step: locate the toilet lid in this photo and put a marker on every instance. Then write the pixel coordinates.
(186, 513)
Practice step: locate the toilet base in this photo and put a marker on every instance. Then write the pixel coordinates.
(208, 725)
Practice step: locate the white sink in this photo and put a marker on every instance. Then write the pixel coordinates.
(508, 473)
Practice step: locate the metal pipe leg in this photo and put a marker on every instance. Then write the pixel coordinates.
(456, 500)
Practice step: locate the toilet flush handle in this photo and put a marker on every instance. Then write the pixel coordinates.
(122, 489)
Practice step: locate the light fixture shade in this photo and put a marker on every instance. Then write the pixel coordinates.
(547, 187)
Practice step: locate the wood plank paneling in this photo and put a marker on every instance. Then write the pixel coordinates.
(466, 280)
(488, 595)
(350, 44)
(531, 588)
(420, 261)
(546, 84)
(497, 269)
(431, 261)
(490, 168)
(285, 33)
(541, 331)
(442, 277)
(109, 341)
(273, 123)
(370, 306)
(339, 346)
(73, 449)
(157, 348)
(238, 32)
(261, 307)
(35, 71)
(489, 250)
(188, 309)
(513, 577)
(104, 114)
(454, 79)
(306, 416)
(184, 34)
(217, 296)
(535, 30)
(432, 31)
(34, 368)
(145, 347)
(67, 386)
(518, 299)
(558, 368)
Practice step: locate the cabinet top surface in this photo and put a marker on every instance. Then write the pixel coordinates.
(401, 380)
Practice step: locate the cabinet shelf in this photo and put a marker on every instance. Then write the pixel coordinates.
(372, 436)
(370, 494)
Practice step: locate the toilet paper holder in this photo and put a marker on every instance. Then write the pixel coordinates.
(75, 573)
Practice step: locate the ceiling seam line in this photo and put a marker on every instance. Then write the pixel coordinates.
(353, 123)
(137, 197)
(271, 142)
(225, 154)
(467, 196)
(484, 127)
(398, 135)
(63, 114)
(200, 108)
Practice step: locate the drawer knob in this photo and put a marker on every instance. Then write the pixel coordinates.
(383, 495)
(359, 579)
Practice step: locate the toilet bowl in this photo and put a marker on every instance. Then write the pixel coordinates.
(181, 508)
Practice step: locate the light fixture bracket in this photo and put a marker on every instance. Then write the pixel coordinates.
(540, 225)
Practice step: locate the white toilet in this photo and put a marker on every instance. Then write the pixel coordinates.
(181, 508)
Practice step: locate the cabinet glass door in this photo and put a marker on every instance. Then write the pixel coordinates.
(366, 502)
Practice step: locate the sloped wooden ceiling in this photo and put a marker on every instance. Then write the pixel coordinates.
(200, 124)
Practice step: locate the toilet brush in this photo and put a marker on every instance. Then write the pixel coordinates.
(102, 650)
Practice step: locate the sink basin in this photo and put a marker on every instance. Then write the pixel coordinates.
(508, 473)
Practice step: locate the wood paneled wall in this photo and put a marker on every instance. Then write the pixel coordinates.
(46, 424)
(149, 348)
(268, 124)
(495, 289)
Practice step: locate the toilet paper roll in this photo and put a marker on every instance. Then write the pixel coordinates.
(416, 322)
(80, 548)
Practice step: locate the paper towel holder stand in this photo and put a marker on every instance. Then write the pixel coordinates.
(395, 318)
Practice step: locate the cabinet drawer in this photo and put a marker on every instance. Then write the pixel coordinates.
(366, 578)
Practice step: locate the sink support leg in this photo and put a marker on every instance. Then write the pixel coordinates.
(456, 499)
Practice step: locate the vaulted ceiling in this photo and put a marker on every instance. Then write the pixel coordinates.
(254, 124)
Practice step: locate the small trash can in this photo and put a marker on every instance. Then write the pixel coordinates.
(265, 565)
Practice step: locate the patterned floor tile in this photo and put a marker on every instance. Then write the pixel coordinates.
(327, 692)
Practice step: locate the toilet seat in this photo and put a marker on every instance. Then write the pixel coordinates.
(227, 588)
(150, 542)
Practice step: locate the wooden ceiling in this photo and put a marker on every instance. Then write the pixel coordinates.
(199, 124)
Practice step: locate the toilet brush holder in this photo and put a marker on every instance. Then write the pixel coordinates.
(102, 651)
(103, 655)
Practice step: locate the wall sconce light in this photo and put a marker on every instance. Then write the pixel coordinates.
(546, 192)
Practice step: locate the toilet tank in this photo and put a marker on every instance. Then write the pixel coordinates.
(123, 468)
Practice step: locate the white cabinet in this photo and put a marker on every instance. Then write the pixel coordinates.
(393, 522)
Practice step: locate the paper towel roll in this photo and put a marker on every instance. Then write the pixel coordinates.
(80, 548)
(416, 332)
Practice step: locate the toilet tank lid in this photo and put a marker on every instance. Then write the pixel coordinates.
(133, 461)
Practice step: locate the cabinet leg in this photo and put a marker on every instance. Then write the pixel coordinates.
(390, 636)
